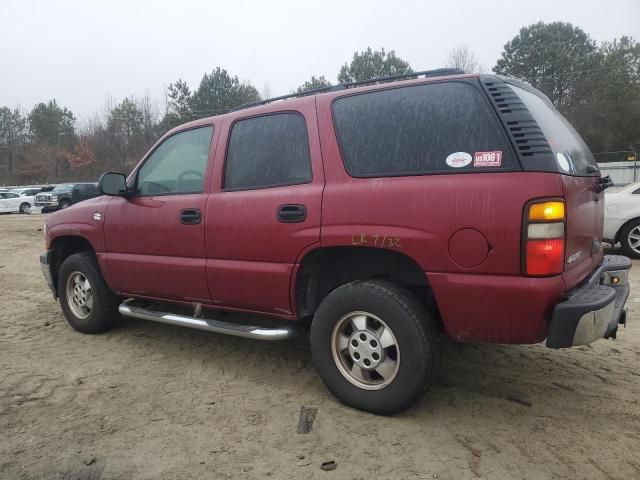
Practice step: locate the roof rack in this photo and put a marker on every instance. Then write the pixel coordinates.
(341, 86)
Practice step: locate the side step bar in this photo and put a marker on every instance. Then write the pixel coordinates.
(128, 308)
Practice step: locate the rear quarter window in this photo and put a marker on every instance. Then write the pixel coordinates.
(413, 130)
(572, 154)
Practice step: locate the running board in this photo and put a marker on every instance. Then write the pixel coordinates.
(128, 308)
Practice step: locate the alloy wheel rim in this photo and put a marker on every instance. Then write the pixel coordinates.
(365, 350)
(634, 239)
(79, 295)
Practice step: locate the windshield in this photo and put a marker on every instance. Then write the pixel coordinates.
(62, 188)
(572, 154)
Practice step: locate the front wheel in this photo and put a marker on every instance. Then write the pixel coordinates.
(375, 346)
(87, 302)
(64, 204)
(630, 239)
(24, 207)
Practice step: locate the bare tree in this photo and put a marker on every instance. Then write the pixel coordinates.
(265, 94)
(463, 58)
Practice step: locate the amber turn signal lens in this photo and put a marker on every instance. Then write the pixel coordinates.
(546, 211)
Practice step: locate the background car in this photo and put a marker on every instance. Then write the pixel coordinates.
(65, 195)
(11, 202)
(622, 219)
(27, 194)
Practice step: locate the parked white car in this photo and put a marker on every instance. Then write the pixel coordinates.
(14, 202)
(622, 219)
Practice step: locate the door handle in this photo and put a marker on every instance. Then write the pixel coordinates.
(190, 216)
(292, 213)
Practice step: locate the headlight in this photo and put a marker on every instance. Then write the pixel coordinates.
(54, 197)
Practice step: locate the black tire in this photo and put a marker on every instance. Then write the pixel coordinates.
(64, 204)
(625, 241)
(24, 207)
(413, 327)
(103, 313)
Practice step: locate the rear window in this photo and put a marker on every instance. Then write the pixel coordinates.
(432, 128)
(572, 154)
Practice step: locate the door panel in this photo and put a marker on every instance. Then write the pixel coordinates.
(251, 252)
(151, 250)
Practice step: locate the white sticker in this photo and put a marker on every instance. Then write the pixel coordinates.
(563, 162)
(459, 159)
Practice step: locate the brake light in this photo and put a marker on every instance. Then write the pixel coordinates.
(544, 238)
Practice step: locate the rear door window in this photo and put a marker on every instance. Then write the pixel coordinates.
(572, 154)
(432, 128)
(268, 151)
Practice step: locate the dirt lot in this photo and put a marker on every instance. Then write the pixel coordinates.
(149, 401)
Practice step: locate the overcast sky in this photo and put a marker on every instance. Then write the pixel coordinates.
(81, 52)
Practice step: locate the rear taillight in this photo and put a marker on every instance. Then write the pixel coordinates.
(543, 252)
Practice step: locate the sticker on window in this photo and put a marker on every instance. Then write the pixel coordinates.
(487, 159)
(459, 159)
(563, 162)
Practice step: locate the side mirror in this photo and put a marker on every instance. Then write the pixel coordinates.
(113, 183)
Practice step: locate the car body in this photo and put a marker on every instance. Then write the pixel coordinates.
(622, 219)
(27, 195)
(65, 195)
(14, 202)
(382, 214)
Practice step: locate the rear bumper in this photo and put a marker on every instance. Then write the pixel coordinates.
(45, 265)
(594, 309)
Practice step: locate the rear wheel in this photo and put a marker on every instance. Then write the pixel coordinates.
(24, 207)
(87, 302)
(375, 346)
(630, 239)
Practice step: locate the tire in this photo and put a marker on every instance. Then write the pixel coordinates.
(408, 366)
(627, 234)
(64, 204)
(91, 310)
(24, 207)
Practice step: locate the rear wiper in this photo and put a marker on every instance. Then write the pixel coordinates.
(604, 183)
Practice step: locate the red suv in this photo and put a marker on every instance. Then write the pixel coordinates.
(381, 214)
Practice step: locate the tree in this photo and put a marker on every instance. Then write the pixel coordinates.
(219, 92)
(464, 59)
(596, 88)
(52, 128)
(372, 64)
(81, 156)
(12, 137)
(179, 96)
(125, 133)
(314, 83)
(557, 58)
(49, 123)
(609, 119)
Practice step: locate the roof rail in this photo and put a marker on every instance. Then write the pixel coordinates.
(341, 86)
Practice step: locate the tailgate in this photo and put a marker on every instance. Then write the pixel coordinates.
(585, 220)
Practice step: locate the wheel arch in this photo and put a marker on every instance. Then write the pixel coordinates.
(64, 246)
(616, 238)
(324, 269)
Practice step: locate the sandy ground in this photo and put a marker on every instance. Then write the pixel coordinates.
(150, 401)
